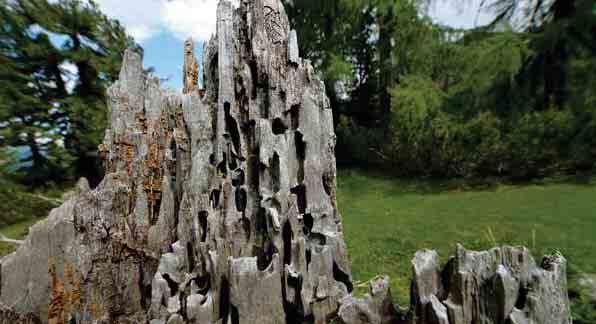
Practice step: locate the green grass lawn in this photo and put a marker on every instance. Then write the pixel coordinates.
(386, 220)
(15, 231)
(21, 207)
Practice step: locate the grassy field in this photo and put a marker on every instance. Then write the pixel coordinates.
(386, 220)
(15, 231)
(20, 208)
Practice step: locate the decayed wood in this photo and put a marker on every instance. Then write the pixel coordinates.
(219, 206)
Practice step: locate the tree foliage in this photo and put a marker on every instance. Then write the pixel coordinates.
(515, 97)
(56, 60)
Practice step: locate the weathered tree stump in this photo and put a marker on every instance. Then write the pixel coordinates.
(501, 286)
(219, 206)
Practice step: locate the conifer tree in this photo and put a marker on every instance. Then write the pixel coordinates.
(57, 58)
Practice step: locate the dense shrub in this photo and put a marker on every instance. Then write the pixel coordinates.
(583, 305)
(426, 139)
(357, 145)
(538, 142)
(18, 203)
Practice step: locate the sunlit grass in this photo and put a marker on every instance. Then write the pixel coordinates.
(16, 231)
(386, 220)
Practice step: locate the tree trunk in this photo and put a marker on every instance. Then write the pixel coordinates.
(556, 60)
(217, 205)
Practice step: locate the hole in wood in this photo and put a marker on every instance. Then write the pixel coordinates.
(340, 276)
(300, 192)
(287, 236)
(240, 196)
(215, 198)
(171, 283)
(300, 154)
(275, 173)
(278, 127)
(203, 223)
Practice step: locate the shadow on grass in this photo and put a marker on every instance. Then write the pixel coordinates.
(354, 178)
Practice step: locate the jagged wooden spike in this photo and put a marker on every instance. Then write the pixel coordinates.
(214, 207)
(219, 206)
(190, 69)
(501, 285)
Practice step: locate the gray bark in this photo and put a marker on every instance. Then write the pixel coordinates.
(219, 206)
(500, 286)
(376, 307)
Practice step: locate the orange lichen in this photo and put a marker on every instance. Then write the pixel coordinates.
(191, 68)
(142, 122)
(181, 137)
(191, 78)
(56, 310)
(152, 181)
(126, 153)
(73, 292)
(153, 160)
(66, 297)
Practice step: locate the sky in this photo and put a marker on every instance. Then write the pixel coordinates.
(161, 26)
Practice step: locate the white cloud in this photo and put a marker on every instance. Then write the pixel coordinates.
(144, 19)
(191, 18)
(463, 14)
(141, 32)
(70, 72)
